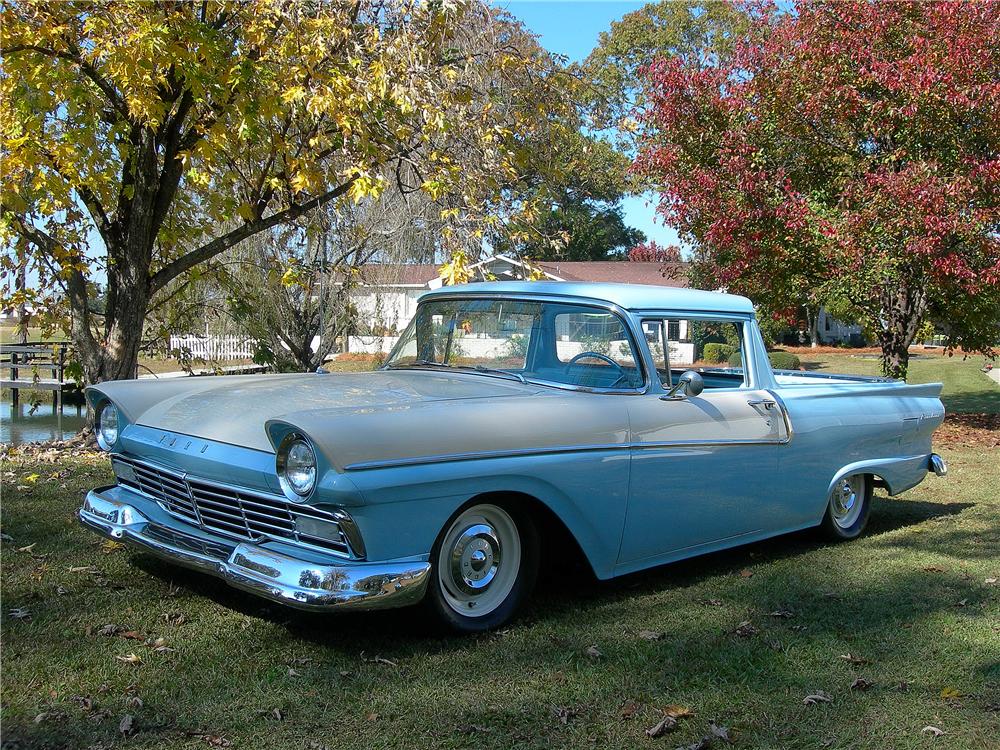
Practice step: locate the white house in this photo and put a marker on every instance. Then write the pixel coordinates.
(388, 298)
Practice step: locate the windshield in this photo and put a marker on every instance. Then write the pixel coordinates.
(549, 342)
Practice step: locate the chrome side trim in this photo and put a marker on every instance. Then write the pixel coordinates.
(480, 455)
(784, 414)
(267, 573)
(543, 451)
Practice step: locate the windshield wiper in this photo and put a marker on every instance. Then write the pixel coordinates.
(419, 363)
(496, 371)
(476, 368)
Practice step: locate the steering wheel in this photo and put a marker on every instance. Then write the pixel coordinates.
(603, 358)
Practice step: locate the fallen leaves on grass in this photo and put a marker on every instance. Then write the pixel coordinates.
(47, 716)
(174, 618)
(83, 702)
(710, 602)
(672, 714)
(972, 430)
(817, 697)
(783, 614)
(629, 709)
(951, 694)
(932, 730)
(933, 569)
(678, 712)
(213, 740)
(746, 573)
(127, 725)
(853, 659)
(110, 545)
(379, 660)
(650, 635)
(593, 652)
(133, 659)
(719, 732)
(20, 613)
(564, 714)
(862, 684)
(664, 725)
(745, 629)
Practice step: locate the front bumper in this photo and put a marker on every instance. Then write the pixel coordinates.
(311, 584)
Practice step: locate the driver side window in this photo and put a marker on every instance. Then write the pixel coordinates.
(596, 349)
(714, 348)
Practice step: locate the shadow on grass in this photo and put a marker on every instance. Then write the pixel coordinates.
(560, 592)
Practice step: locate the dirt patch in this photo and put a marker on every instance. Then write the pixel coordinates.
(969, 430)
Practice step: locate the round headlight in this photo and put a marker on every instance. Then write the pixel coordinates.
(296, 465)
(107, 426)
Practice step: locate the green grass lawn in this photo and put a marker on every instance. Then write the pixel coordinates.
(740, 638)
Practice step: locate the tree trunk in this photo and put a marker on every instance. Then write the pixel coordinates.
(903, 307)
(813, 328)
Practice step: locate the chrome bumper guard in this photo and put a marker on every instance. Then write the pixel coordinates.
(283, 578)
(937, 464)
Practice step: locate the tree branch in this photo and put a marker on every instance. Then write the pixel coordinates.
(228, 240)
(89, 70)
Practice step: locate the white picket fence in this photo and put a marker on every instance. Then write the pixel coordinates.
(218, 348)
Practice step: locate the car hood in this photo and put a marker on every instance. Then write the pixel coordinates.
(234, 409)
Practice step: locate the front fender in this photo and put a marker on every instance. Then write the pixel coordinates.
(406, 507)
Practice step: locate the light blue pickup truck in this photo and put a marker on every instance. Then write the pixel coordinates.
(508, 415)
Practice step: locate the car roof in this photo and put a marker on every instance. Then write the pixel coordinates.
(628, 296)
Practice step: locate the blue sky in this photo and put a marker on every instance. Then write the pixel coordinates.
(571, 28)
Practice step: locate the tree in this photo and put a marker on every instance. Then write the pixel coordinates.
(844, 149)
(654, 252)
(698, 33)
(146, 139)
(583, 230)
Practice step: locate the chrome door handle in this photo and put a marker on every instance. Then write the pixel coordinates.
(767, 403)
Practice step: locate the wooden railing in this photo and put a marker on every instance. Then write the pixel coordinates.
(34, 367)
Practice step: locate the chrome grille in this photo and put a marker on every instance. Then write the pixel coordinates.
(228, 510)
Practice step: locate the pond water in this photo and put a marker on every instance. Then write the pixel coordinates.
(22, 425)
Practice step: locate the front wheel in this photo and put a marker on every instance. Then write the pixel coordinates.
(485, 565)
(848, 508)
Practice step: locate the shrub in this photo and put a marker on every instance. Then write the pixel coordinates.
(718, 352)
(784, 361)
(779, 360)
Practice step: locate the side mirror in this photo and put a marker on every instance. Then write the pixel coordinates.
(688, 384)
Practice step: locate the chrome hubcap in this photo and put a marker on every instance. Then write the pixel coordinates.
(847, 501)
(475, 558)
(479, 560)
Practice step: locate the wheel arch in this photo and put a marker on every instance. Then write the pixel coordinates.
(558, 543)
(895, 474)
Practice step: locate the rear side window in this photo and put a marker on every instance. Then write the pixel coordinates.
(715, 348)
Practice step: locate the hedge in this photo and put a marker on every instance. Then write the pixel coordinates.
(779, 360)
(715, 352)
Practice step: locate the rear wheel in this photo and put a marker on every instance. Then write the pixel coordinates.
(485, 564)
(848, 508)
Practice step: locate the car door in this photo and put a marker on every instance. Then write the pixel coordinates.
(703, 467)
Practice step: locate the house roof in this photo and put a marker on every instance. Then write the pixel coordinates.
(628, 296)
(618, 272)
(606, 271)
